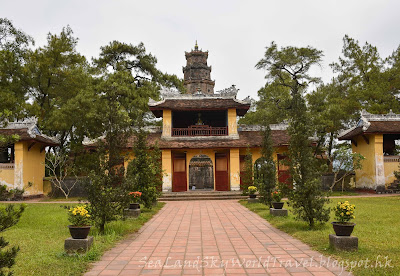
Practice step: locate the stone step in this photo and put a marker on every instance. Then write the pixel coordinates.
(201, 195)
(181, 198)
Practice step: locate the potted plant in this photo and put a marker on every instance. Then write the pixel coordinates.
(344, 212)
(134, 198)
(276, 199)
(252, 191)
(80, 222)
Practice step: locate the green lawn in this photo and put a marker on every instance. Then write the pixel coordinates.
(41, 232)
(378, 231)
(345, 193)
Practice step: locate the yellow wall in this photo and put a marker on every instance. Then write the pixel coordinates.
(390, 167)
(167, 123)
(167, 170)
(28, 168)
(232, 125)
(372, 172)
(7, 176)
(33, 168)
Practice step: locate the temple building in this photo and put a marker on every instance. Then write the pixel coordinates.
(202, 145)
(22, 163)
(377, 138)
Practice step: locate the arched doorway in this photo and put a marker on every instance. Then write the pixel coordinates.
(201, 173)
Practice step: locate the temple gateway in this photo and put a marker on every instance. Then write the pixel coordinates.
(202, 145)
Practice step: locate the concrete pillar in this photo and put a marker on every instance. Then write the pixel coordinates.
(379, 166)
(234, 168)
(167, 170)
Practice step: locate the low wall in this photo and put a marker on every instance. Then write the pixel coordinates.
(78, 191)
(327, 180)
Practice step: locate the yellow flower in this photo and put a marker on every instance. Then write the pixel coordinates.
(342, 214)
(347, 213)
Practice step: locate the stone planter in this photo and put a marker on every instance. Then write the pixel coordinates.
(79, 232)
(343, 228)
(134, 206)
(252, 196)
(278, 205)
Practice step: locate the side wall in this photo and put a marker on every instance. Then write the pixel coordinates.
(372, 172)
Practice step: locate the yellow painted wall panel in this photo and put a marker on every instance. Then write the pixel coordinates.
(232, 124)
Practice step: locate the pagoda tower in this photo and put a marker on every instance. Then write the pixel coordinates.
(197, 74)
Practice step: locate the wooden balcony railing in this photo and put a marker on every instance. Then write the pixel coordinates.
(391, 158)
(200, 131)
(6, 166)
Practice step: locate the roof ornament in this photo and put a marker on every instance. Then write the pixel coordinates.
(196, 47)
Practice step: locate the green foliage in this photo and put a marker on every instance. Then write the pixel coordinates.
(346, 162)
(59, 88)
(14, 47)
(107, 194)
(272, 106)
(247, 175)
(143, 173)
(289, 67)
(8, 217)
(265, 169)
(369, 82)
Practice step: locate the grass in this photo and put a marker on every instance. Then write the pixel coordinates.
(377, 228)
(56, 199)
(41, 232)
(344, 193)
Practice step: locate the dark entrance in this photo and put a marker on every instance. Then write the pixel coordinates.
(201, 173)
(179, 182)
(221, 172)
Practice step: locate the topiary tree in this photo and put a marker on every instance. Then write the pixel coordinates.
(9, 216)
(265, 173)
(144, 171)
(247, 174)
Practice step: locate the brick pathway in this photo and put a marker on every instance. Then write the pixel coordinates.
(212, 238)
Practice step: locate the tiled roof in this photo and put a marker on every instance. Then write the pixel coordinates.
(246, 139)
(371, 123)
(199, 103)
(28, 131)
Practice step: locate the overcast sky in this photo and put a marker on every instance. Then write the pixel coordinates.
(234, 32)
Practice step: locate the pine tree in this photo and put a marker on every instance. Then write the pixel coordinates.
(289, 67)
(8, 217)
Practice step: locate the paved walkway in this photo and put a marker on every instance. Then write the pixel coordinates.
(212, 238)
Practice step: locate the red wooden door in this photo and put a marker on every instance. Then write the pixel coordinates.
(283, 170)
(221, 172)
(179, 181)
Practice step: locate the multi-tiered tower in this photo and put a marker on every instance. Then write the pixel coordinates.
(197, 74)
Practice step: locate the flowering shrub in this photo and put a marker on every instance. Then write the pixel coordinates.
(252, 190)
(276, 196)
(79, 216)
(344, 211)
(135, 196)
